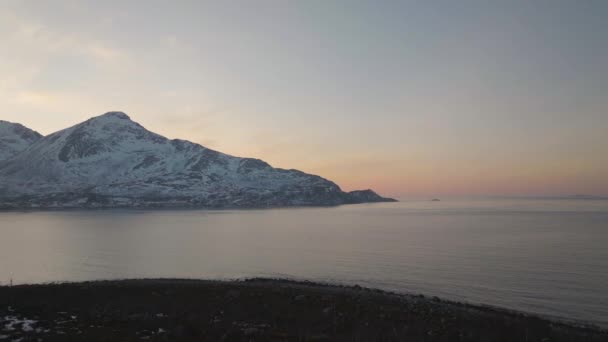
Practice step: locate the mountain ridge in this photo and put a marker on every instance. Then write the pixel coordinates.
(111, 161)
(14, 138)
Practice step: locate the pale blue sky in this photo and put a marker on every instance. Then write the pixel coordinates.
(408, 97)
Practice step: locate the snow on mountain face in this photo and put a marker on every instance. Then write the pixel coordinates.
(112, 161)
(15, 138)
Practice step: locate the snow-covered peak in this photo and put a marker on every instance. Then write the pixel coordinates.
(7, 128)
(108, 133)
(113, 119)
(15, 138)
(112, 115)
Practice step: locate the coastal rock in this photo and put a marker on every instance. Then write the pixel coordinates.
(367, 196)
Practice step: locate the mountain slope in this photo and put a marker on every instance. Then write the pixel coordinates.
(111, 161)
(15, 138)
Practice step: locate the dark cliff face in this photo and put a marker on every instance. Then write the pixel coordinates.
(111, 161)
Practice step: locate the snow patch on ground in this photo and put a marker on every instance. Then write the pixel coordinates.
(12, 321)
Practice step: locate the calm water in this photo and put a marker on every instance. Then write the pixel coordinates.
(548, 257)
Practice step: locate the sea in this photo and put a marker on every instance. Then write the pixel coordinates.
(543, 256)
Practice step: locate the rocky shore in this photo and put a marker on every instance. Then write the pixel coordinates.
(257, 310)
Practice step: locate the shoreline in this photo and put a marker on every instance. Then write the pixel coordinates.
(261, 309)
(28, 209)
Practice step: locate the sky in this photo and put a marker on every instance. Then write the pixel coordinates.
(410, 98)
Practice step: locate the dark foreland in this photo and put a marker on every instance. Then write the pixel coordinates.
(110, 161)
(257, 310)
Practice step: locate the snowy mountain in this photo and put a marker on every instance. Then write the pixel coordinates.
(15, 138)
(111, 161)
